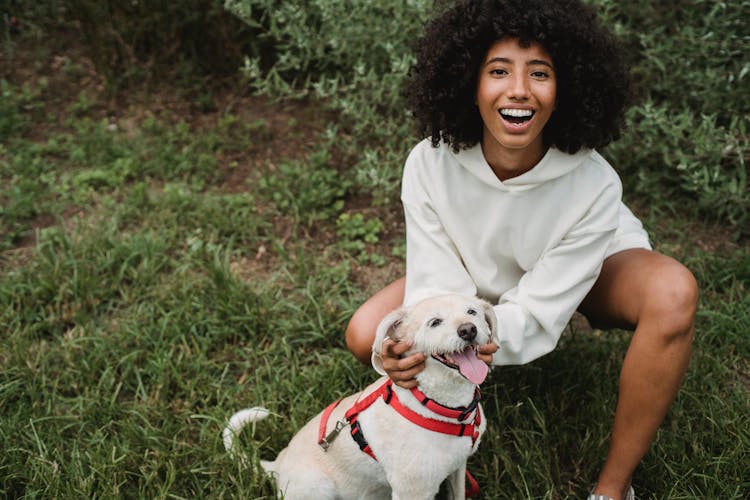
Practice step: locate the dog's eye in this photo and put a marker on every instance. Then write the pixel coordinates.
(473, 312)
(435, 322)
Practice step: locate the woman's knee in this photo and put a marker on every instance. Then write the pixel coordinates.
(671, 298)
(638, 288)
(360, 335)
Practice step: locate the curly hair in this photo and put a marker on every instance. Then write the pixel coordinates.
(593, 85)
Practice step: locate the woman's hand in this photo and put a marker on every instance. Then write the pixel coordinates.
(485, 352)
(401, 370)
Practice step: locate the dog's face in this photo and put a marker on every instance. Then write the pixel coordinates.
(447, 329)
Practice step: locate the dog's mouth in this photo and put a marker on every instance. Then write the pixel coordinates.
(466, 363)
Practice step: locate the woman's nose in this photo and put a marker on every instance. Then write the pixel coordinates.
(519, 87)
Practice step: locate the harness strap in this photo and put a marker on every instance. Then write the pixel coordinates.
(352, 413)
(322, 441)
(461, 413)
(385, 391)
(473, 489)
(435, 425)
(359, 438)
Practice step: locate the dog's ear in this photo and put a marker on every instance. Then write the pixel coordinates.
(386, 329)
(491, 319)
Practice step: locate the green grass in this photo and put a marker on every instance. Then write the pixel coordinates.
(146, 295)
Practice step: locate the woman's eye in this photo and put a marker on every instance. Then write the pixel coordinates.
(539, 74)
(498, 72)
(435, 322)
(473, 312)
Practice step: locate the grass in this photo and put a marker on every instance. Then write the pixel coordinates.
(147, 293)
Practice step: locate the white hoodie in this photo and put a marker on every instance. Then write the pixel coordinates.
(533, 244)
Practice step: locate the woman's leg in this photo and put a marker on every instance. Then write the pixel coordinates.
(360, 333)
(657, 297)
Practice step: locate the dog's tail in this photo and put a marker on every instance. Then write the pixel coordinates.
(238, 421)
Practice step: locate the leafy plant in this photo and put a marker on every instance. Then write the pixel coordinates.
(14, 106)
(128, 41)
(309, 190)
(669, 155)
(355, 234)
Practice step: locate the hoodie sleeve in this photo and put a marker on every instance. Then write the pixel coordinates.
(533, 314)
(433, 263)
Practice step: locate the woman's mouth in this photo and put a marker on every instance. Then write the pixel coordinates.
(516, 116)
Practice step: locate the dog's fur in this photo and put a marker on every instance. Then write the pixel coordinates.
(412, 462)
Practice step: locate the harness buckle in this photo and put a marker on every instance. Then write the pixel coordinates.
(326, 442)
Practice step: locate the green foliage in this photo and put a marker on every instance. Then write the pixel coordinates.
(671, 155)
(322, 45)
(353, 56)
(310, 190)
(688, 137)
(128, 41)
(355, 233)
(15, 104)
(696, 57)
(688, 60)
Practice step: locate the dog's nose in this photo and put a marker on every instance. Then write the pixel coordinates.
(467, 331)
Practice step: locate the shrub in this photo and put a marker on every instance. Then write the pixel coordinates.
(353, 56)
(128, 41)
(687, 134)
(310, 190)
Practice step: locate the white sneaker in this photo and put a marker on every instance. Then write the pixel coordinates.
(629, 496)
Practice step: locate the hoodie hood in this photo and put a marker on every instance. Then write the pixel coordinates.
(553, 164)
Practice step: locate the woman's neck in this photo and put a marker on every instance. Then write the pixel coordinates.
(510, 163)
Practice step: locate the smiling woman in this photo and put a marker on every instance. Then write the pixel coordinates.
(509, 200)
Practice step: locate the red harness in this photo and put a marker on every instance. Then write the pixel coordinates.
(464, 427)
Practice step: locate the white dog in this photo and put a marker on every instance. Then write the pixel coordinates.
(394, 441)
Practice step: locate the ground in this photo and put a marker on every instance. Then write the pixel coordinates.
(291, 130)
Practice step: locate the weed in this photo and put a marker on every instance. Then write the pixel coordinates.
(355, 234)
(310, 190)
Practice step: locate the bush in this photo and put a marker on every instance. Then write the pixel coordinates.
(668, 155)
(130, 41)
(686, 137)
(354, 57)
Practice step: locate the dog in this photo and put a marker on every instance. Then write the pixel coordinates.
(404, 443)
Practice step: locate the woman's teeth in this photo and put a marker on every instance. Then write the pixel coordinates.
(516, 115)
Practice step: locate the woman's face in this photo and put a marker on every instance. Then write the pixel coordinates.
(516, 94)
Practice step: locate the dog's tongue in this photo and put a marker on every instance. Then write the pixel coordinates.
(470, 366)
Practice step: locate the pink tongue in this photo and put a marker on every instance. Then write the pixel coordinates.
(470, 366)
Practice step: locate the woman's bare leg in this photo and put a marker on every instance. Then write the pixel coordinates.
(360, 333)
(657, 297)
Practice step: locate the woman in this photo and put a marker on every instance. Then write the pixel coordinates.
(509, 200)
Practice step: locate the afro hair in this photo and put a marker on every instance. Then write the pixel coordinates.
(593, 85)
